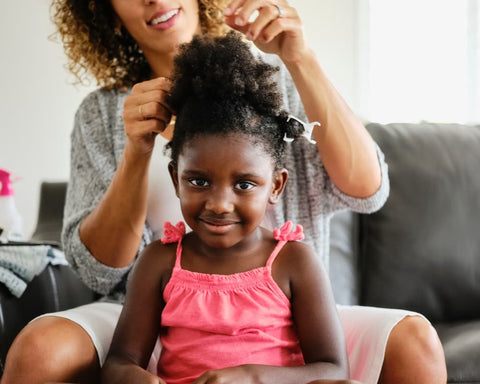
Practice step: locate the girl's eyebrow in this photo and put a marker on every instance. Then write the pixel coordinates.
(246, 176)
(192, 172)
(239, 175)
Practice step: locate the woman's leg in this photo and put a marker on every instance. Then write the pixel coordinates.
(64, 346)
(51, 349)
(391, 346)
(414, 354)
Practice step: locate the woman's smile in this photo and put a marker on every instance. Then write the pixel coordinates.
(165, 19)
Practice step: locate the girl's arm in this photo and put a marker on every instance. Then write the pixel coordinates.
(138, 327)
(347, 150)
(300, 275)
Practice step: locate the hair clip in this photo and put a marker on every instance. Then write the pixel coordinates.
(308, 130)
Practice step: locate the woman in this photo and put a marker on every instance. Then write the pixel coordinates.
(117, 199)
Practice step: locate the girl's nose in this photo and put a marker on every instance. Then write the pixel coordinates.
(220, 201)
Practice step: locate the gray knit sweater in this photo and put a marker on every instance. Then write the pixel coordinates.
(97, 142)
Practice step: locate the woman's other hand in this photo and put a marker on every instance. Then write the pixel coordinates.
(146, 114)
(276, 29)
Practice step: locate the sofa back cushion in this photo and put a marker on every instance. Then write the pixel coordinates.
(421, 251)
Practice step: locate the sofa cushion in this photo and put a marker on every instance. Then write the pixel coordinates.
(460, 342)
(421, 251)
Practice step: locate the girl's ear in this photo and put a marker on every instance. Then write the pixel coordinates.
(172, 169)
(279, 181)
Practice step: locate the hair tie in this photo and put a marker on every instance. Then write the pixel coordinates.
(307, 127)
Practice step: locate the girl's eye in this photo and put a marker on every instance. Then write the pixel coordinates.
(244, 185)
(199, 182)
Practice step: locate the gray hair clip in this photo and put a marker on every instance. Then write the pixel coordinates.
(308, 129)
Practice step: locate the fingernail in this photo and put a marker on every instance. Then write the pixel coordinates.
(227, 12)
(249, 35)
(239, 21)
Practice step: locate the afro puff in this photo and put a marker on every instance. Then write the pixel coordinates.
(220, 87)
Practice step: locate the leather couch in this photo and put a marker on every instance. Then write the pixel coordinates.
(420, 252)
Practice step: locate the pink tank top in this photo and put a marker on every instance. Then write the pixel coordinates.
(217, 321)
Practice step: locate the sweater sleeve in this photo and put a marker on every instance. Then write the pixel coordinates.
(94, 159)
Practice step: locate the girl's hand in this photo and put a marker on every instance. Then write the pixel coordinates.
(145, 114)
(272, 33)
(127, 373)
(233, 375)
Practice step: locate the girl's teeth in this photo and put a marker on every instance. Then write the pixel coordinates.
(164, 17)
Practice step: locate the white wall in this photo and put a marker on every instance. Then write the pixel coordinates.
(38, 101)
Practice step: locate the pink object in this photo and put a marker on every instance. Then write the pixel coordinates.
(216, 321)
(6, 188)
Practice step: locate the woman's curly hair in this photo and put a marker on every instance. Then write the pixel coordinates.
(96, 47)
(221, 88)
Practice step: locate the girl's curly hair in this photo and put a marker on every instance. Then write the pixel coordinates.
(95, 47)
(221, 88)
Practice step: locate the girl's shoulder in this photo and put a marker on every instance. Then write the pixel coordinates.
(157, 258)
(296, 254)
(296, 258)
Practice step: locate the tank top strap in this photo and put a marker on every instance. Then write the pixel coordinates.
(283, 235)
(174, 234)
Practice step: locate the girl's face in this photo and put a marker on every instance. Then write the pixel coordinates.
(224, 184)
(158, 26)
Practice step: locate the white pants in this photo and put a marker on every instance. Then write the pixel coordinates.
(366, 331)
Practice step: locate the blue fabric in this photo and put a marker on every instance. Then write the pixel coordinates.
(19, 264)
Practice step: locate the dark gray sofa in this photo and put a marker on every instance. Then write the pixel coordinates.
(420, 252)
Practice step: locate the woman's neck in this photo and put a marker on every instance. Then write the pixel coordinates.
(161, 65)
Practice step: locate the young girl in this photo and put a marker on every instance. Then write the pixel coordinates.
(232, 301)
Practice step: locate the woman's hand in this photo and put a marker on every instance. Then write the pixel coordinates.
(277, 28)
(146, 114)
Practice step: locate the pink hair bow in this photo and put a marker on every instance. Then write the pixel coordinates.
(285, 232)
(173, 234)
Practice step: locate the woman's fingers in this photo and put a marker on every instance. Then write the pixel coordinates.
(158, 83)
(152, 105)
(147, 102)
(266, 9)
(146, 113)
(267, 15)
(277, 27)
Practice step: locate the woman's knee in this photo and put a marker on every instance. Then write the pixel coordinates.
(416, 332)
(414, 347)
(52, 347)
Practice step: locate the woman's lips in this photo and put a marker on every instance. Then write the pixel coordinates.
(164, 20)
